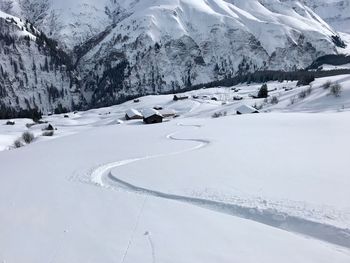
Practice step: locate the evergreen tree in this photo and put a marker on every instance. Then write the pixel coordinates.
(263, 92)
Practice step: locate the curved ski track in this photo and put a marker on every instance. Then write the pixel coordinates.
(104, 177)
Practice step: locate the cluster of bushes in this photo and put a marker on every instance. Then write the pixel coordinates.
(219, 114)
(335, 89)
(26, 138)
(305, 93)
(301, 95)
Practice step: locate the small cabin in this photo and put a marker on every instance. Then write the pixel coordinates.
(152, 116)
(157, 107)
(10, 123)
(245, 109)
(133, 114)
(49, 128)
(235, 89)
(167, 113)
(178, 97)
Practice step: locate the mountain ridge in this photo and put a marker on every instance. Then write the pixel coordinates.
(163, 46)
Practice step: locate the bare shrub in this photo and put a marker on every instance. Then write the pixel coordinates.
(274, 100)
(293, 100)
(219, 114)
(28, 137)
(304, 93)
(336, 89)
(327, 85)
(309, 91)
(17, 143)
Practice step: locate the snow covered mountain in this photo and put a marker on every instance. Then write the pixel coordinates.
(159, 46)
(334, 12)
(128, 48)
(34, 73)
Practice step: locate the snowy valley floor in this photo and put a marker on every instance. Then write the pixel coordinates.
(270, 187)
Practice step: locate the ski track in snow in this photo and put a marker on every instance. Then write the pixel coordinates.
(98, 174)
(103, 177)
(151, 243)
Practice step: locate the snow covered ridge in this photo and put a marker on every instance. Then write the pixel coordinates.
(24, 27)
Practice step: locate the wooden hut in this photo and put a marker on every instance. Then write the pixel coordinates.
(157, 107)
(133, 114)
(180, 97)
(245, 109)
(166, 113)
(151, 116)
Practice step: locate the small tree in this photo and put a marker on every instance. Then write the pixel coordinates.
(263, 92)
(327, 85)
(274, 100)
(28, 137)
(17, 143)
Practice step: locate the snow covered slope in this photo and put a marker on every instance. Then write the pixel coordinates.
(334, 12)
(269, 187)
(34, 73)
(158, 46)
(80, 20)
